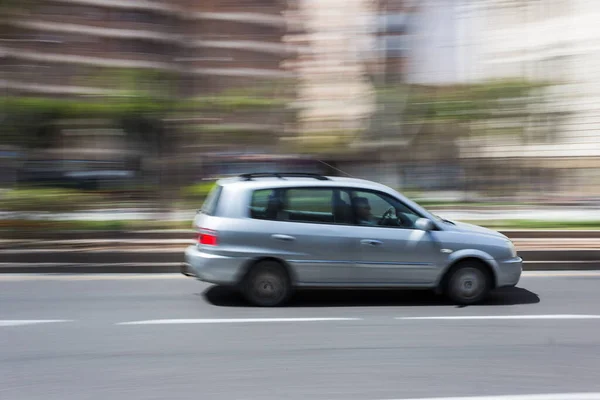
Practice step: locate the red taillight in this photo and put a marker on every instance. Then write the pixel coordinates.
(207, 237)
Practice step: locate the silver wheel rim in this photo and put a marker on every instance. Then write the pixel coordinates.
(268, 286)
(468, 283)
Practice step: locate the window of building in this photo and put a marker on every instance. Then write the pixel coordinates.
(138, 16)
(92, 13)
(131, 46)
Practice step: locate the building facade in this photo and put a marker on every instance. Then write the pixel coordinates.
(238, 49)
(334, 96)
(73, 47)
(554, 41)
(225, 59)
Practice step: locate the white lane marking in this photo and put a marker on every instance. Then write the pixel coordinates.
(20, 322)
(231, 321)
(484, 317)
(552, 274)
(559, 396)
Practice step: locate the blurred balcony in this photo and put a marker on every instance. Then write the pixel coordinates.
(233, 30)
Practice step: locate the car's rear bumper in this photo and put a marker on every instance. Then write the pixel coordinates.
(509, 272)
(186, 270)
(212, 268)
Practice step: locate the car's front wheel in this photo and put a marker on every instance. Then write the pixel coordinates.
(468, 283)
(267, 284)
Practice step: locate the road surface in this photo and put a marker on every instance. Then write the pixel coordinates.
(162, 337)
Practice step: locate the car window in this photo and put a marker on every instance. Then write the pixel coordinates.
(212, 201)
(265, 204)
(379, 209)
(308, 205)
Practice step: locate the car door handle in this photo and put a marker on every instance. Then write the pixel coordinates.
(285, 238)
(371, 242)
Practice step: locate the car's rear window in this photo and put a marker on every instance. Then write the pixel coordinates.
(212, 201)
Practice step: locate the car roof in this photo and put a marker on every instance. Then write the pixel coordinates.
(286, 181)
(242, 184)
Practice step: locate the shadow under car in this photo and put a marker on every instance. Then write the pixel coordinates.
(223, 296)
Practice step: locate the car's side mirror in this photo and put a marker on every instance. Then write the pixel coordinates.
(424, 224)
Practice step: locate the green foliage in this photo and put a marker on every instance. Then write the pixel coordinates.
(46, 199)
(65, 108)
(462, 103)
(233, 103)
(198, 191)
(232, 129)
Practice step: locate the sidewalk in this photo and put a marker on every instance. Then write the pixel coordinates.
(538, 214)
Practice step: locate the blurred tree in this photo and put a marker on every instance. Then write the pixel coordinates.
(463, 115)
(148, 97)
(501, 99)
(417, 123)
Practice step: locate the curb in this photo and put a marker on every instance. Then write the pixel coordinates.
(90, 268)
(83, 258)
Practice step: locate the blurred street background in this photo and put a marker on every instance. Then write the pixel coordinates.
(119, 114)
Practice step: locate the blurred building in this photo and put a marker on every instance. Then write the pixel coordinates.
(352, 51)
(549, 147)
(554, 41)
(393, 21)
(88, 50)
(237, 48)
(334, 96)
(444, 38)
(233, 43)
(102, 49)
(74, 47)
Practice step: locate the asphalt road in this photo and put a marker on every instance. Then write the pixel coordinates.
(170, 337)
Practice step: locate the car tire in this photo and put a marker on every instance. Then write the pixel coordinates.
(267, 284)
(468, 283)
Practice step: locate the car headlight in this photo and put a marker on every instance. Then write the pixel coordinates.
(511, 248)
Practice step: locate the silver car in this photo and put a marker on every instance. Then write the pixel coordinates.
(268, 234)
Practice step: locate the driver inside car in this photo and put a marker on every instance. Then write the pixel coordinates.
(363, 212)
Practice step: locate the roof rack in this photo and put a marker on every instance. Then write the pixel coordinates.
(282, 175)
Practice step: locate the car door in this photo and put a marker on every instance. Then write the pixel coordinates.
(395, 252)
(301, 227)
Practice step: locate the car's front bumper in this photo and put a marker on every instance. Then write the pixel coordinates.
(509, 272)
(212, 268)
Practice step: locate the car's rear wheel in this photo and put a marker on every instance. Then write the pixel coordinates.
(267, 284)
(468, 283)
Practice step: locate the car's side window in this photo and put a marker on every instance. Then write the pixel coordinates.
(212, 201)
(308, 205)
(265, 204)
(378, 209)
(342, 208)
(331, 206)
